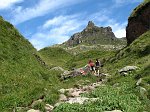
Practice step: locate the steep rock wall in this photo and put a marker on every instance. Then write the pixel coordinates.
(138, 23)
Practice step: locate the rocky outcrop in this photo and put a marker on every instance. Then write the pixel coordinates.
(138, 22)
(124, 71)
(92, 35)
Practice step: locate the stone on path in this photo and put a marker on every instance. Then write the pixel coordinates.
(62, 97)
(80, 100)
(62, 91)
(139, 82)
(32, 110)
(49, 107)
(36, 102)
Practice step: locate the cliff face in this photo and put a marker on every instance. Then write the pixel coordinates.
(92, 35)
(138, 23)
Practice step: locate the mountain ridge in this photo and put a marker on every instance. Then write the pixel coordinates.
(93, 34)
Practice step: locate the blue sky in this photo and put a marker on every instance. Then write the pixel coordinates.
(48, 22)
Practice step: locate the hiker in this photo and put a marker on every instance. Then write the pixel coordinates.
(97, 66)
(91, 65)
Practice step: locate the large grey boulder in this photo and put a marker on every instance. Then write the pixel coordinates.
(128, 68)
(124, 71)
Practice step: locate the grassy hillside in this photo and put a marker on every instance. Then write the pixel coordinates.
(138, 54)
(21, 75)
(55, 56)
(82, 59)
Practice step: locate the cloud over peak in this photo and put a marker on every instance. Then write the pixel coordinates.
(40, 9)
(4, 4)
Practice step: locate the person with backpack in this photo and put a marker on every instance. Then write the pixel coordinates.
(97, 66)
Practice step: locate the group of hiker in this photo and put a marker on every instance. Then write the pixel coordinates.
(93, 67)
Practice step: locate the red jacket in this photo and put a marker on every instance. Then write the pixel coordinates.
(91, 64)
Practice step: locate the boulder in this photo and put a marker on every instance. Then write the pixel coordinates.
(127, 68)
(62, 91)
(62, 97)
(36, 102)
(139, 82)
(49, 108)
(80, 100)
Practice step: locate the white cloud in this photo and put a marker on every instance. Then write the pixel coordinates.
(41, 8)
(60, 32)
(4, 4)
(120, 33)
(56, 21)
(119, 29)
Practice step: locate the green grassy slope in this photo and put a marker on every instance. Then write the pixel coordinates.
(82, 59)
(21, 75)
(55, 56)
(138, 54)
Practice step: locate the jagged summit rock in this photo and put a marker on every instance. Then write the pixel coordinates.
(90, 24)
(91, 35)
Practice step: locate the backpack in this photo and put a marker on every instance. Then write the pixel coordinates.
(97, 63)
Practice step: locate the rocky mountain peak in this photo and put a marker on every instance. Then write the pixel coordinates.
(91, 35)
(90, 24)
